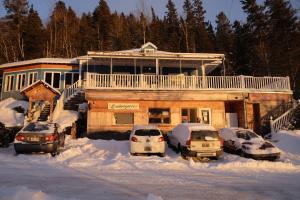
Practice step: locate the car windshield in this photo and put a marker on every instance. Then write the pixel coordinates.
(204, 135)
(147, 132)
(247, 135)
(34, 127)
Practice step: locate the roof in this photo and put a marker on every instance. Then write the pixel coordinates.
(41, 61)
(42, 82)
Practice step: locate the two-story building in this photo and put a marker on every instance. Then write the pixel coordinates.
(148, 86)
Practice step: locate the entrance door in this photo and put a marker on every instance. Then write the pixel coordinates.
(256, 117)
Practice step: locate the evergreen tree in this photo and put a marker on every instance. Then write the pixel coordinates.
(224, 40)
(171, 22)
(188, 27)
(34, 36)
(103, 26)
(259, 32)
(17, 11)
(202, 40)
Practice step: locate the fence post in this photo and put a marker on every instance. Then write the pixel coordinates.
(242, 81)
(272, 125)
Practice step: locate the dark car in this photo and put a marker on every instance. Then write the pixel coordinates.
(4, 136)
(248, 144)
(39, 137)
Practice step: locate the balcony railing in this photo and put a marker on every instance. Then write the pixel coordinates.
(181, 82)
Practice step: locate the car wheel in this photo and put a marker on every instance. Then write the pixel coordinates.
(162, 154)
(53, 154)
(133, 154)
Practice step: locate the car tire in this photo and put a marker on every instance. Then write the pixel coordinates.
(162, 155)
(133, 154)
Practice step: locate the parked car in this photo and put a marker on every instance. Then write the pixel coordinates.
(148, 140)
(248, 144)
(4, 136)
(39, 137)
(196, 140)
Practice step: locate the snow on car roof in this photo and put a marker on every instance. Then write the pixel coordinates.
(198, 126)
(147, 127)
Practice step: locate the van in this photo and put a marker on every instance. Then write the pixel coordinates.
(196, 140)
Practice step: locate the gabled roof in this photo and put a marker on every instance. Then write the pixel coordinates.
(41, 61)
(149, 44)
(30, 87)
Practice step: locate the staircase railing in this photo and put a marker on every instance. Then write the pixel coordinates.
(73, 89)
(284, 120)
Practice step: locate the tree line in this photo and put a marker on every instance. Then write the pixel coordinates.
(267, 44)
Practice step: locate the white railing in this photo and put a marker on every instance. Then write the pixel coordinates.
(281, 122)
(181, 82)
(73, 89)
(59, 107)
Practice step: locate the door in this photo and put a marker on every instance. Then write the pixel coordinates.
(256, 117)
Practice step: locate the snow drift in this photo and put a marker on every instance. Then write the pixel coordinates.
(9, 117)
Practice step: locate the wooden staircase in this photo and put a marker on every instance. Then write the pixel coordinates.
(73, 102)
(44, 114)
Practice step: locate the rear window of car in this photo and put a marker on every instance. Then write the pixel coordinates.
(147, 132)
(36, 127)
(203, 135)
(247, 135)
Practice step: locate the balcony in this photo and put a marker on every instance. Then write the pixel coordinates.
(182, 82)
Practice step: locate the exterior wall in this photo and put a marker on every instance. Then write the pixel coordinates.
(40, 69)
(100, 118)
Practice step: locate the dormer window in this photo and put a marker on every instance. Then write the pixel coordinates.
(148, 48)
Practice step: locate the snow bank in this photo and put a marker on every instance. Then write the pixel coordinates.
(10, 117)
(114, 155)
(66, 118)
(21, 192)
(153, 197)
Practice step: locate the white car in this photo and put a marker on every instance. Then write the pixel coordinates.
(248, 144)
(196, 140)
(147, 140)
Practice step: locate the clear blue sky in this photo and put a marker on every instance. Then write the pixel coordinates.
(232, 8)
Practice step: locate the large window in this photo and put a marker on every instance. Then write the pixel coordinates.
(189, 115)
(32, 77)
(53, 79)
(20, 81)
(9, 83)
(159, 116)
(124, 118)
(71, 78)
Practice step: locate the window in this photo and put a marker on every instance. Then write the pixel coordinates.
(32, 77)
(189, 115)
(159, 116)
(53, 79)
(147, 132)
(20, 81)
(124, 118)
(9, 83)
(205, 115)
(71, 78)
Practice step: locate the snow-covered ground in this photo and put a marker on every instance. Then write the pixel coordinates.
(10, 117)
(97, 169)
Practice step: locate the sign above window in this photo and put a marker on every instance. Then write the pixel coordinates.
(123, 106)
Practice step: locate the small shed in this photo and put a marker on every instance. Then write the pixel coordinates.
(40, 91)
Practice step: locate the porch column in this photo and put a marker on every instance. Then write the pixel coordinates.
(203, 75)
(111, 65)
(180, 66)
(134, 63)
(80, 71)
(157, 66)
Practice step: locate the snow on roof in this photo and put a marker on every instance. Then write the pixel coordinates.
(41, 61)
(198, 126)
(149, 44)
(44, 83)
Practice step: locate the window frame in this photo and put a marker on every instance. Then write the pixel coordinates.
(189, 113)
(52, 78)
(169, 116)
(9, 84)
(35, 75)
(115, 119)
(23, 78)
(72, 81)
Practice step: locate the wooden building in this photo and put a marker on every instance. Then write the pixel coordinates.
(148, 86)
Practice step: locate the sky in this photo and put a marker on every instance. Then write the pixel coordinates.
(232, 8)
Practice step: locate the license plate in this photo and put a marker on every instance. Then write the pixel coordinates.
(205, 145)
(205, 154)
(148, 149)
(34, 139)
